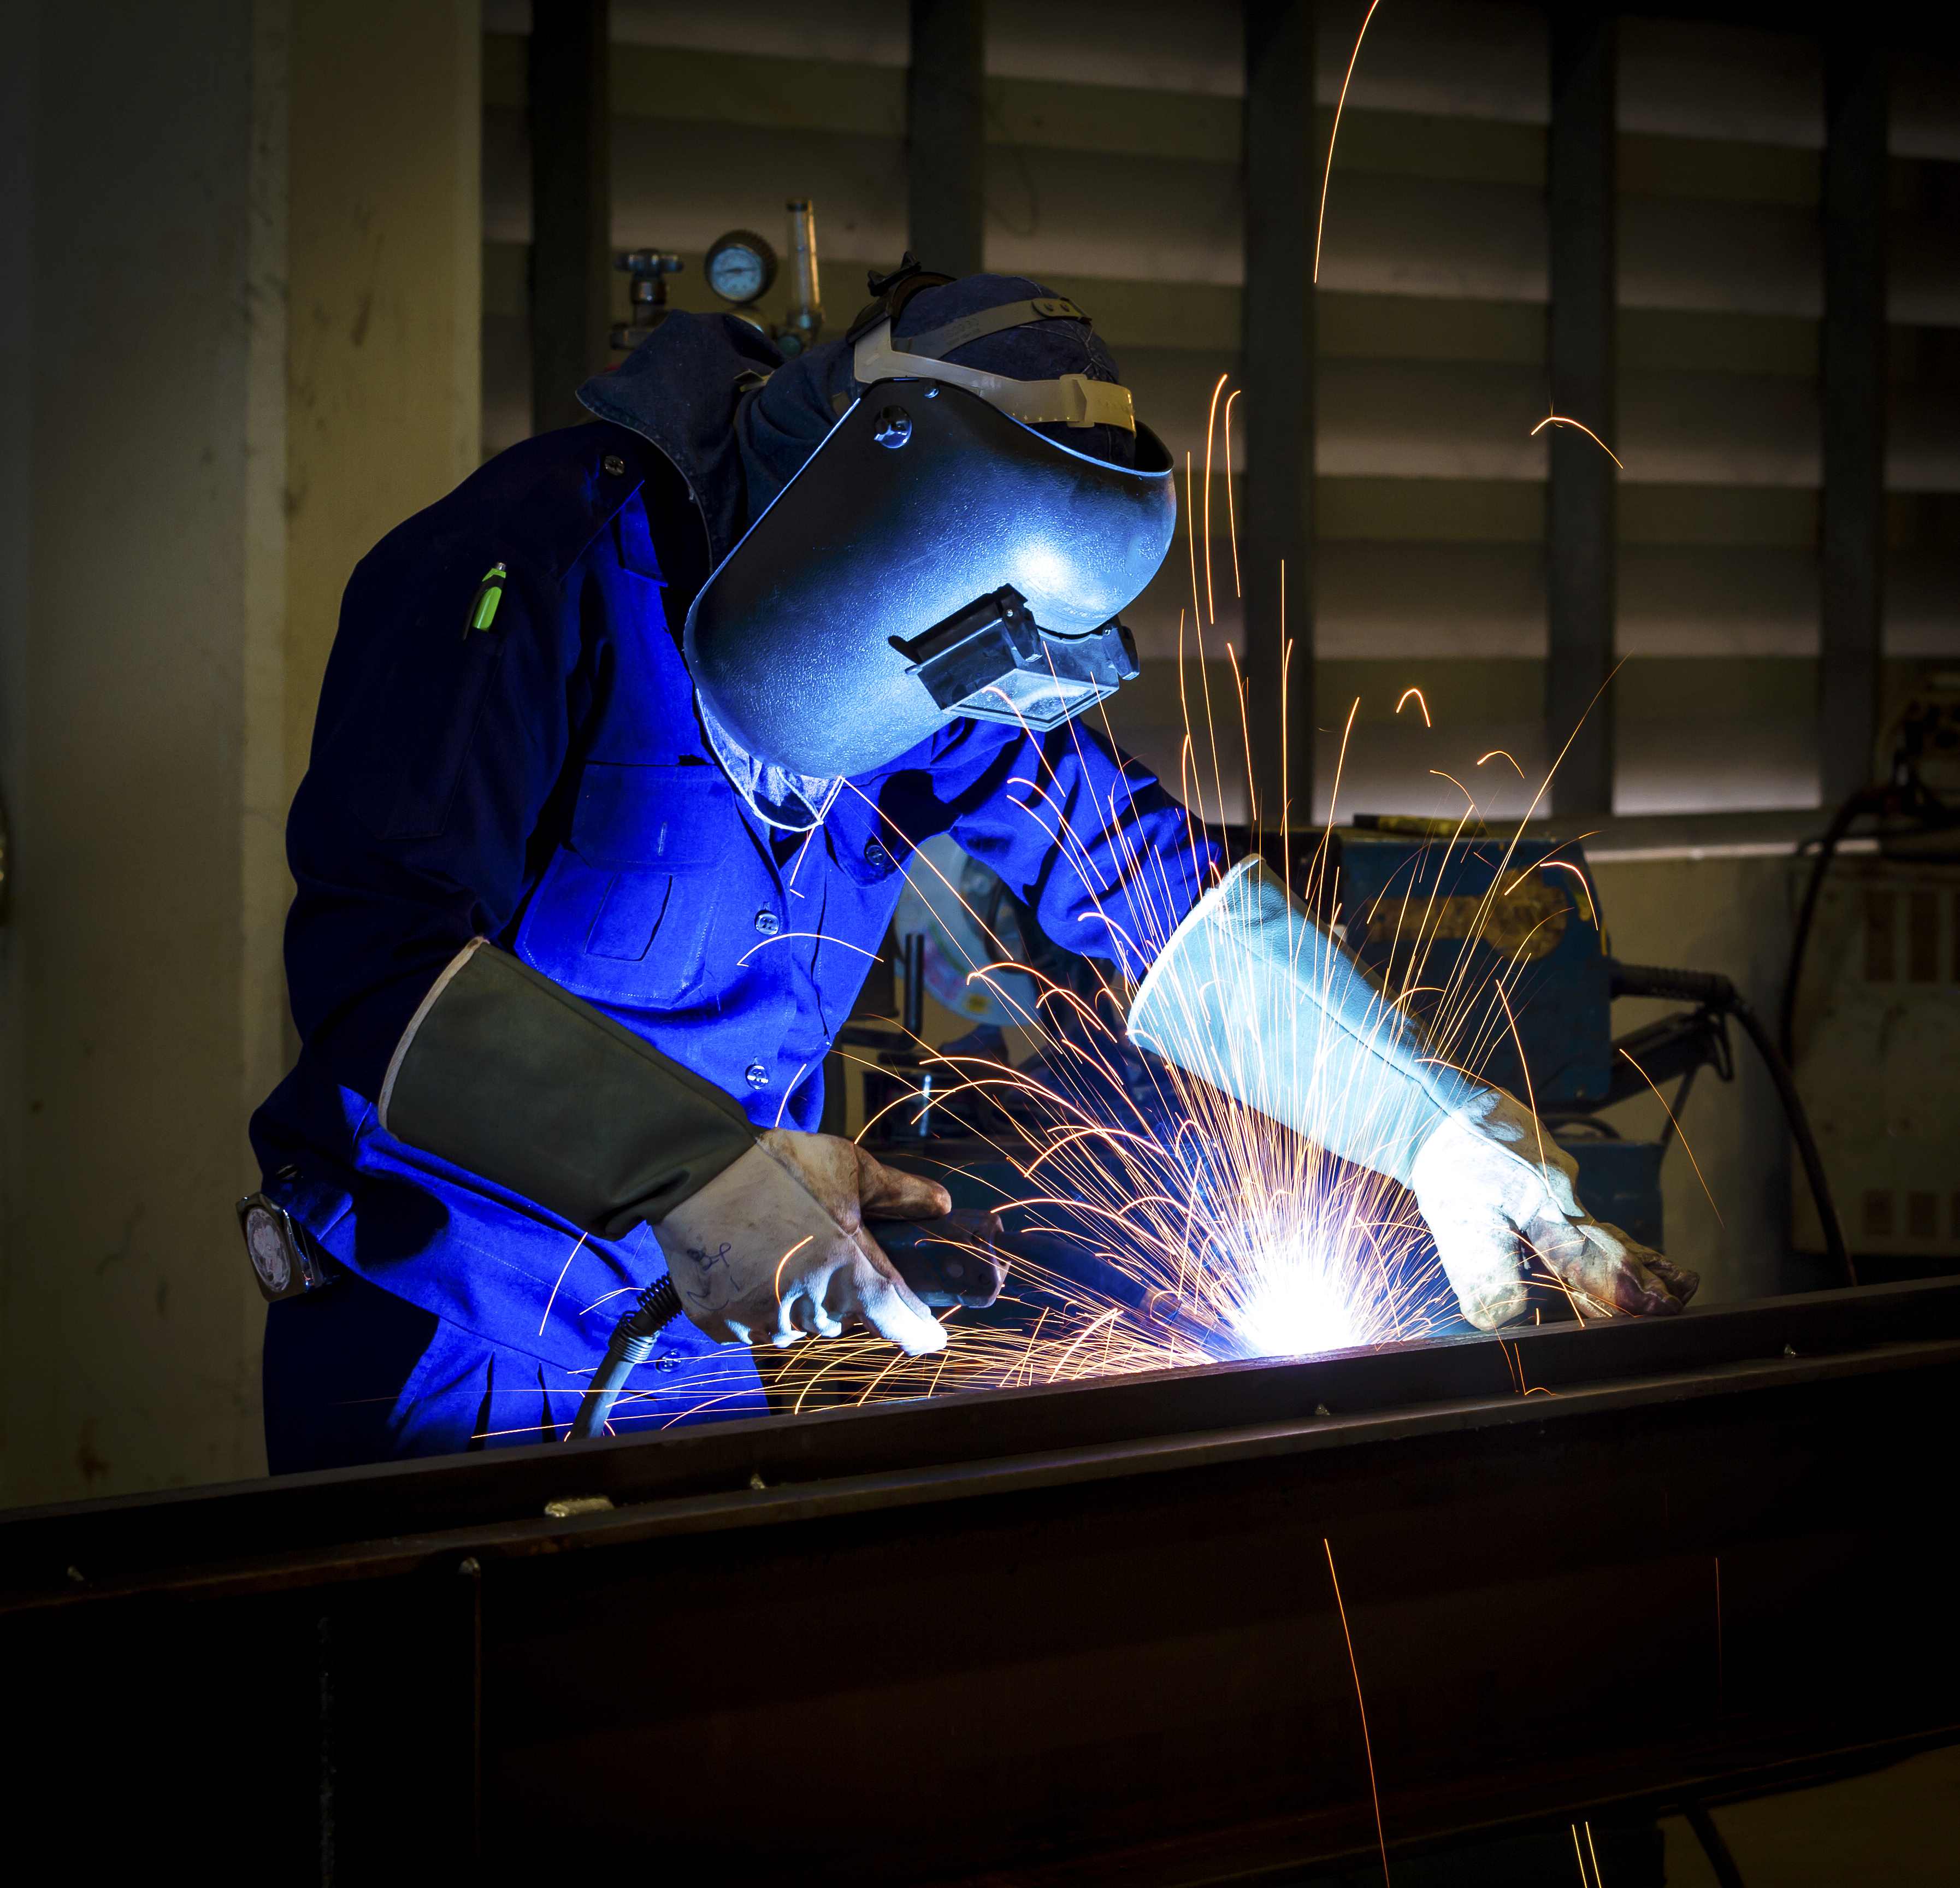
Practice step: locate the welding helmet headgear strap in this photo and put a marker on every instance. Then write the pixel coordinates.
(933, 557)
(1072, 400)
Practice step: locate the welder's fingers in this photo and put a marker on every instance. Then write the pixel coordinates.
(737, 1326)
(885, 1192)
(1681, 1283)
(812, 1316)
(885, 1302)
(793, 1320)
(1609, 1271)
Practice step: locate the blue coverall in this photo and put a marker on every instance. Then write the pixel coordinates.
(544, 781)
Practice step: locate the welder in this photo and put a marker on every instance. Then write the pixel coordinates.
(621, 753)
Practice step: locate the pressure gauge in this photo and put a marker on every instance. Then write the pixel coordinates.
(740, 267)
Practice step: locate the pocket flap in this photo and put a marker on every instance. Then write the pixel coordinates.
(670, 819)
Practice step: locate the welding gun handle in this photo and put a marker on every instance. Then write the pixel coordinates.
(955, 1260)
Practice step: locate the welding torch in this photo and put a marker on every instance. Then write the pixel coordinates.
(958, 1258)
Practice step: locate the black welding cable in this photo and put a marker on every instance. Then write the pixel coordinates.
(1806, 1143)
(1861, 801)
(632, 1344)
(1716, 992)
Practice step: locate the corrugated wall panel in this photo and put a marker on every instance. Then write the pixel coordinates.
(1113, 173)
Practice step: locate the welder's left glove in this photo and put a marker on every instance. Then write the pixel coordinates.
(1496, 1190)
(1252, 996)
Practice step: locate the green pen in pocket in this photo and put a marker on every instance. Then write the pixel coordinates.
(483, 605)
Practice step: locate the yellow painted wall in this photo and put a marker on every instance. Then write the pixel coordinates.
(385, 303)
(183, 496)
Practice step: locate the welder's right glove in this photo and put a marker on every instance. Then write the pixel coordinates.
(1251, 995)
(774, 1248)
(507, 1073)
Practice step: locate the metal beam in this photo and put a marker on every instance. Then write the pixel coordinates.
(1281, 176)
(946, 147)
(1857, 83)
(1580, 511)
(1092, 1635)
(572, 196)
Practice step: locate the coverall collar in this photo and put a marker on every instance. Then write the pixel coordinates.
(678, 390)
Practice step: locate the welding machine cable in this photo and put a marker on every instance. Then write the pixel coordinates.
(1252, 996)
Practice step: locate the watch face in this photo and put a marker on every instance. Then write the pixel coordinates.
(265, 1242)
(740, 267)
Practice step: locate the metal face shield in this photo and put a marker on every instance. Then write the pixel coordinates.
(932, 558)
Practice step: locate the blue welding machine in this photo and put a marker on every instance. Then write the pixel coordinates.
(1497, 945)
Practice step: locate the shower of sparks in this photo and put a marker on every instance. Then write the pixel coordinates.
(1559, 419)
(1155, 1222)
(1327, 176)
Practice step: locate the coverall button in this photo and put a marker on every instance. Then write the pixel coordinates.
(757, 1076)
(767, 923)
(876, 857)
(613, 464)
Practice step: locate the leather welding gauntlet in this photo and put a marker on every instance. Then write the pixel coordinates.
(1252, 996)
(507, 1073)
(774, 1248)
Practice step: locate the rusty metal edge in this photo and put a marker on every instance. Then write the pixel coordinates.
(486, 1488)
(743, 1508)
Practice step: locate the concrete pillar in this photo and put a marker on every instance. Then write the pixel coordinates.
(170, 479)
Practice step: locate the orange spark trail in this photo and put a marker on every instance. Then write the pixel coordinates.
(1422, 702)
(1210, 425)
(784, 937)
(1368, 1749)
(1320, 228)
(560, 1280)
(1231, 513)
(1684, 1147)
(1559, 419)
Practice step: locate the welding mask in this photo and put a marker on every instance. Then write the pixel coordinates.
(935, 557)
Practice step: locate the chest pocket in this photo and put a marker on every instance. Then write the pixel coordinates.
(622, 914)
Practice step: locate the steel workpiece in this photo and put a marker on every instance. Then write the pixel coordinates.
(1091, 1633)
